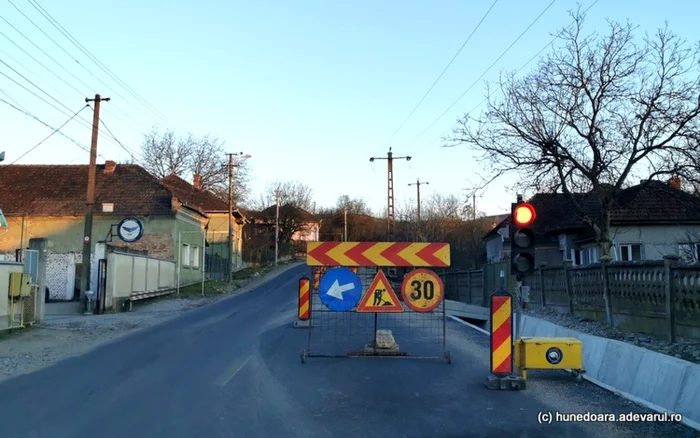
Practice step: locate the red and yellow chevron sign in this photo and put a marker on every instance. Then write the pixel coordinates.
(304, 296)
(501, 334)
(378, 254)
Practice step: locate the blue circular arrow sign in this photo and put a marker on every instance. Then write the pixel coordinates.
(340, 290)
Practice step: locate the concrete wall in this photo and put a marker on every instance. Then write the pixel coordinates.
(5, 269)
(127, 273)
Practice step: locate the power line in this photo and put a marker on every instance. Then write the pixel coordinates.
(443, 72)
(97, 62)
(27, 113)
(49, 136)
(516, 72)
(486, 71)
(128, 151)
(71, 56)
(85, 123)
(46, 54)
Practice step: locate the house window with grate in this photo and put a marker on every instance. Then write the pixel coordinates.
(630, 252)
(185, 258)
(194, 257)
(689, 252)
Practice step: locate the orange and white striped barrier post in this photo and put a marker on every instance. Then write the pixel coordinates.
(502, 370)
(304, 307)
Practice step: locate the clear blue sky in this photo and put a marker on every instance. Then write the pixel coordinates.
(312, 89)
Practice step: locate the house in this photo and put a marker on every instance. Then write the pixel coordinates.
(296, 227)
(216, 210)
(48, 201)
(296, 224)
(649, 220)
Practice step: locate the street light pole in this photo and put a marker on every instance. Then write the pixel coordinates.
(277, 225)
(231, 165)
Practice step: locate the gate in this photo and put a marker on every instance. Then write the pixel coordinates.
(101, 286)
(400, 327)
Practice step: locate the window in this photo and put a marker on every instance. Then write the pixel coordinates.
(689, 252)
(185, 257)
(631, 252)
(586, 256)
(194, 257)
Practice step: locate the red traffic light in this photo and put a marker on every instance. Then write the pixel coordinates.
(524, 214)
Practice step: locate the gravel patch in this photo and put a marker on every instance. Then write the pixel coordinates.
(686, 350)
(63, 336)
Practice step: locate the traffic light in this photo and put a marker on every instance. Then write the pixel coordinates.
(522, 238)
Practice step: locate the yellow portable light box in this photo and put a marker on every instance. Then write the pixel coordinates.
(549, 354)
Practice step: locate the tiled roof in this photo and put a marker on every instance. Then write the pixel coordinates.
(60, 190)
(651, 203)
(203, 200)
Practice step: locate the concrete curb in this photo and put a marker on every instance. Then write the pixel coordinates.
(656, 381)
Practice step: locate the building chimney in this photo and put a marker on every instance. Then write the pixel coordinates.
(110, 166)
(197, 182)
(675, 182)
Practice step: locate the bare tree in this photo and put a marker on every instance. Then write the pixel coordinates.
(166, 154)
(353, 205)
(292, 193)
(596, 113)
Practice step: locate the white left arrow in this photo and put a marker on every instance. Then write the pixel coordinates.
(336, 291)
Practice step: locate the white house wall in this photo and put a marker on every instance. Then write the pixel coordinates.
(657, 241)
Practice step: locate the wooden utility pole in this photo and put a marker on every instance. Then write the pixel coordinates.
(345, 223)
(90, 202)
(229, 270)
(418, 184)
(390, 191)
(277, 225)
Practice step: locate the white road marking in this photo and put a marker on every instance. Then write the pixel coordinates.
(231, 372)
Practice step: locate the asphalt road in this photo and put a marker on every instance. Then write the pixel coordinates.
(233, 369)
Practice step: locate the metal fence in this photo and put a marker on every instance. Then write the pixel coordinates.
(353, 334)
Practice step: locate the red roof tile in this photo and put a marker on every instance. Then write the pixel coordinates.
(61, 190)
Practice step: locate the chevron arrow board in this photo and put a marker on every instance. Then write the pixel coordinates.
(399, 254)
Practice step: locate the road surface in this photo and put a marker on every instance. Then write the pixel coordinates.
(232, 369)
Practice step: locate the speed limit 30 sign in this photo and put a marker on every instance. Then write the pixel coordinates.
(422, 290)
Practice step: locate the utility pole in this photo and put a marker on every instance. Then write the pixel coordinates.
(418, 184)
(90, 202)
(345, 223)
(390, 191)
(231, 165)
(277, 225)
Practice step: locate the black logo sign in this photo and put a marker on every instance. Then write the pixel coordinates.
(554, 355)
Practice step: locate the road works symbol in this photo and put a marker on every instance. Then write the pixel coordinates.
(422, 290)
(340, 289)
(380, 297)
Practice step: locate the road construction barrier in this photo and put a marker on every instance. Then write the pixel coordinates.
(317, 277)
(549, 354)
(304, 305)
(360, 310)
(304, 297)
(501, 333)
